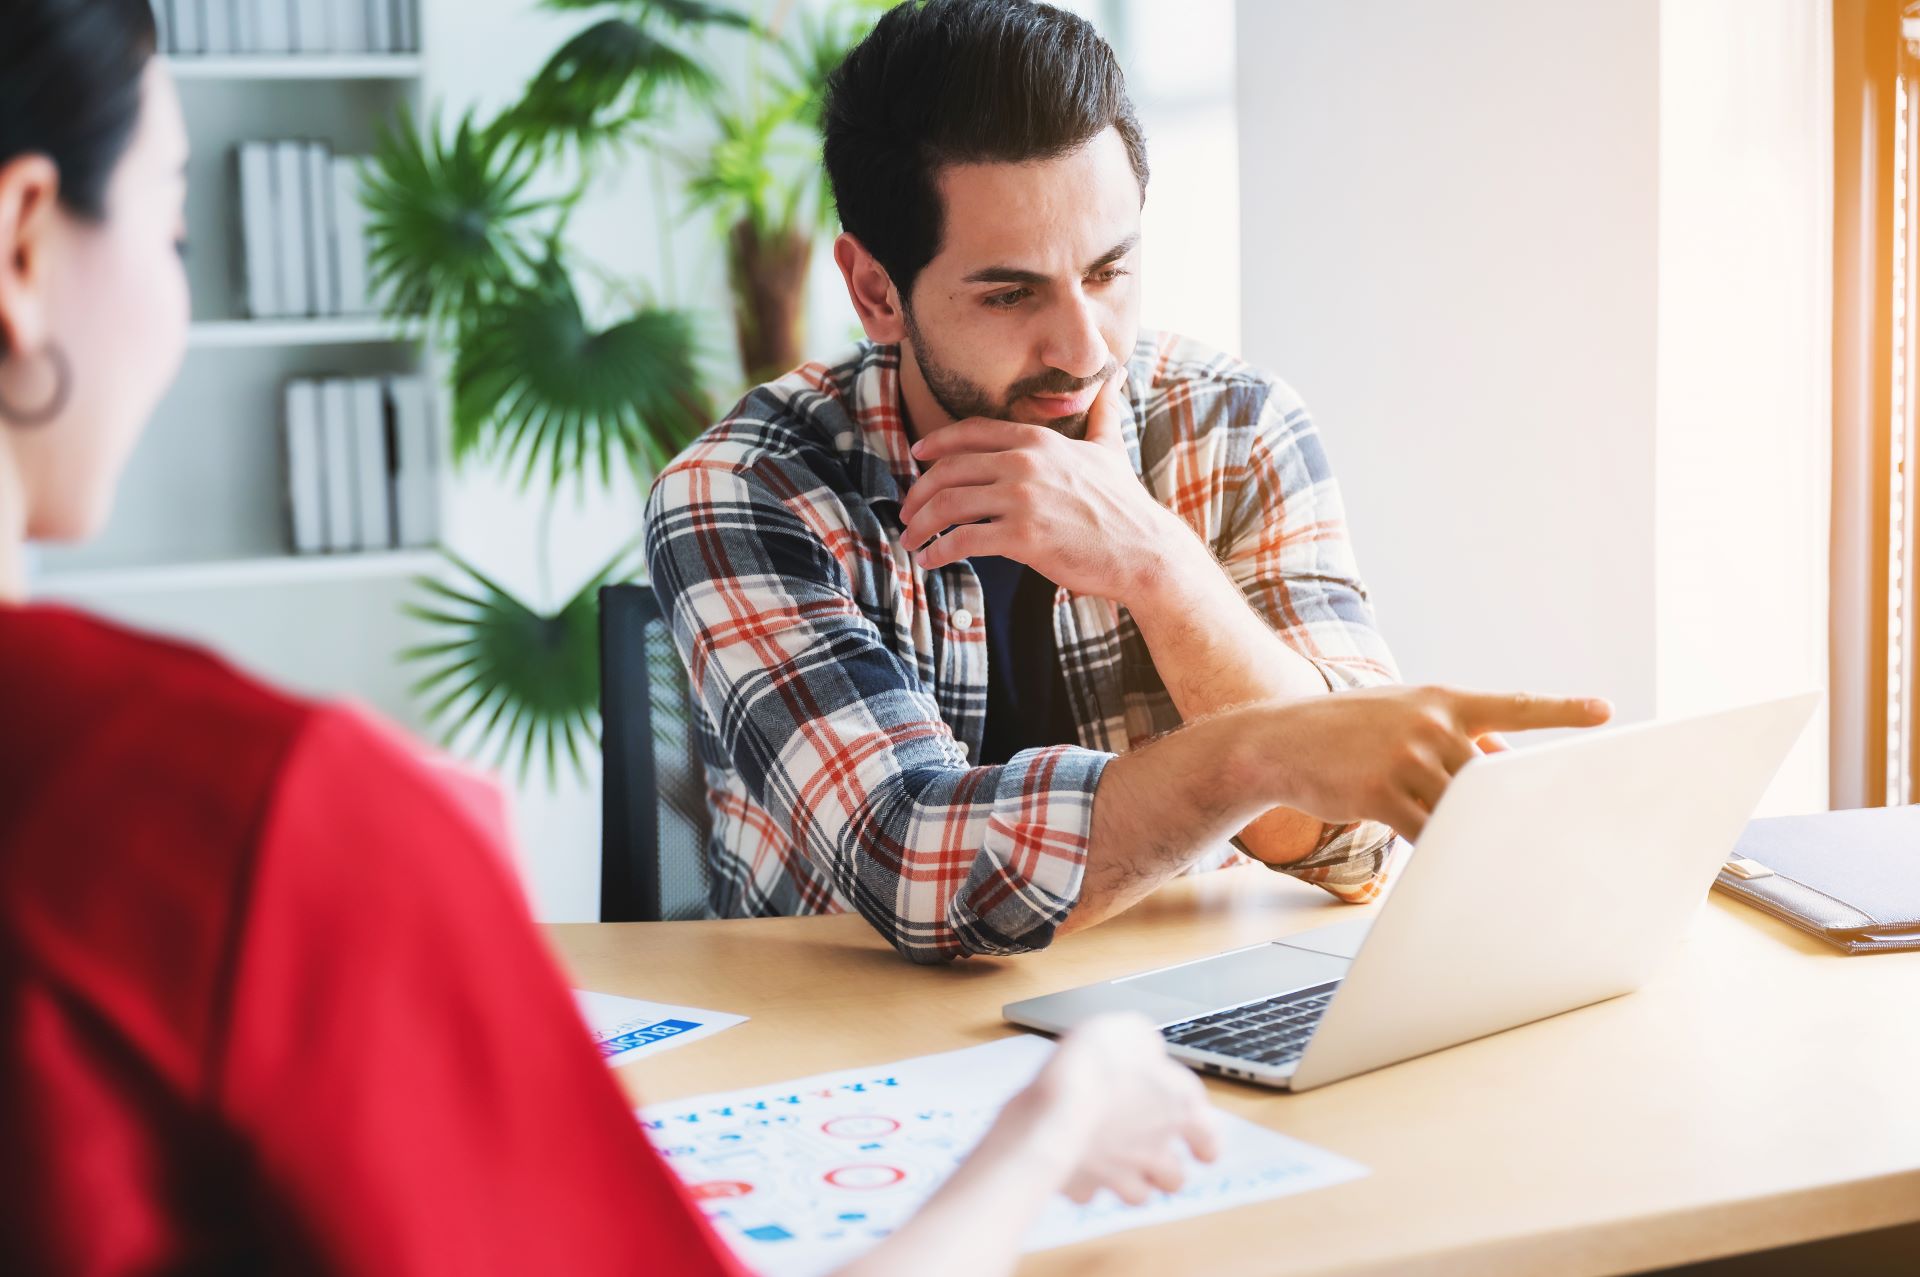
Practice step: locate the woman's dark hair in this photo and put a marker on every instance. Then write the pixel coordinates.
(70, 74)
(941, 82)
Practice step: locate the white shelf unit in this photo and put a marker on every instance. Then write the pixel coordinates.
(198, 545)
(221, 574)
(301, 66)
(349, 330)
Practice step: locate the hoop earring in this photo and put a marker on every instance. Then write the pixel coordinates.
(62, 388)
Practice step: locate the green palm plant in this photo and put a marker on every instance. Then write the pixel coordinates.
(546, 387)
(447, 218)
(768, 246)
(535, 387)
(604, 83)
(526, 681)
(764, 183)
(821, 41)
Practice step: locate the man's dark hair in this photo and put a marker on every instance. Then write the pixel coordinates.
(940, 82)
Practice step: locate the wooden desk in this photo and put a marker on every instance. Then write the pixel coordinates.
(1760, 1091)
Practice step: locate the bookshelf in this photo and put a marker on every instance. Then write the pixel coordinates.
(199, 544)
(295, 66)
(300, 569)
(256, 334)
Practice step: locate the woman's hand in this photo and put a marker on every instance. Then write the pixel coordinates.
(1108, 1110)
(1127, 1114)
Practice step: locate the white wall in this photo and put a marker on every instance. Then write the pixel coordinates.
(1573, 423)
(1177, 60)
(1742, 457)
(1449, 220)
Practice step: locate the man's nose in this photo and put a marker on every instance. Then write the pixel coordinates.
(1075, 345)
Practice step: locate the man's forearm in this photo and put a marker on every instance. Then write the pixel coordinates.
(1213, 651)
(1159, 806)
(1210, 647)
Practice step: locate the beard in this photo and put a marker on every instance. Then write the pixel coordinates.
(960, 397)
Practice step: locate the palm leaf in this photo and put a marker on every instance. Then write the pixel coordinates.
(765, 164)
(534, 386)
(601, 82)
(738, 179)
(821, 43)
(690, 13)
(446, 218)
(520, 684)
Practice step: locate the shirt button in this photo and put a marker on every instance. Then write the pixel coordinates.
(963, 618)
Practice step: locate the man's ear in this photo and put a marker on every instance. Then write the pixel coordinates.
(29, 187)
(871, 292)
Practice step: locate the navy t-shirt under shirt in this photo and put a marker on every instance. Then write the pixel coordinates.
(1027, 702)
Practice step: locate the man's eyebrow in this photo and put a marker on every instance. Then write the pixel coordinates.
(1014, 275)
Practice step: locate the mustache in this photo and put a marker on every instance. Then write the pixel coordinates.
(1055, 382)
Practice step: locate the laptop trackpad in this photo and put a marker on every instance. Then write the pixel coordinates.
(1245, 976)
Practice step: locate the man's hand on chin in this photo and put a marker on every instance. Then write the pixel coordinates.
(1071, 509)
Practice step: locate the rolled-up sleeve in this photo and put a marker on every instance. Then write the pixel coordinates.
(1287, 548)
(840, 740)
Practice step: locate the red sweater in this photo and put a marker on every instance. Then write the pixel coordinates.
(271, 1002)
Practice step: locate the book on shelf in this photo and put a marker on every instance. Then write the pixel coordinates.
(349, 28)
(363, 466)
(383, 33)
(406, 26)
(290, 227)
(348, 175)
(342, 468)
(217, 19)
(306, 468)
(302, 232)
(246, 25)
(223, 28)
(275, 24)
(323, 272)
(373, 464)
(311, 21)
(259, 267)
(188, 27)
(416, 467)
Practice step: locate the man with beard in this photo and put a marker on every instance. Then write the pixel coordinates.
(1019, 610)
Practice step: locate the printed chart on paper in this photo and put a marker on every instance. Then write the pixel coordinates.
(626, 1028)
(803, 1175)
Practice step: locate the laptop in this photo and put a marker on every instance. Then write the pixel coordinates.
(1547, 879)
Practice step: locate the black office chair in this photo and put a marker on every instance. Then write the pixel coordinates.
(653, 861)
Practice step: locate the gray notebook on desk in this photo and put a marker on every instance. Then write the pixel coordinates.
(1850, 877)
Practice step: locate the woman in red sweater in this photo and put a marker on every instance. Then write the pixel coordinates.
(269, 999)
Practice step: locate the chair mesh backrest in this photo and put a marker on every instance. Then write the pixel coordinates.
(654, 798)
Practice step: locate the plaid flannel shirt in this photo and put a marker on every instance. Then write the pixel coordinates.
(840, 690)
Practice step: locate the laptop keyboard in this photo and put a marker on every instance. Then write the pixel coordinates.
(1272, 1031)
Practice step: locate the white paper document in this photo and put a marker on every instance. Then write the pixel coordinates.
(626, 1028)
(801, 1176)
